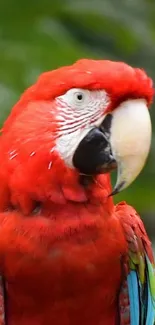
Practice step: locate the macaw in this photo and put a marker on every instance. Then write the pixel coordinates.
(68, 255)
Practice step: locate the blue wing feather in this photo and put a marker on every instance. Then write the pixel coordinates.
(133, 288)
(150, 309)
(141, 300)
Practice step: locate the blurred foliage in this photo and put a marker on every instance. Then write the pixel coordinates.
(38, 35)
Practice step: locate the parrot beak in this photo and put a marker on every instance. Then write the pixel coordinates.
(121, 140)
(130, 139)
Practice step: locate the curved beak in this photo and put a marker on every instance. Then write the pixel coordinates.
(121, 141)
(130, 140)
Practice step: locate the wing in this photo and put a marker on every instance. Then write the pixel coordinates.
(137, 292)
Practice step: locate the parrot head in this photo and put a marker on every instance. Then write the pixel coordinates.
(85, 119)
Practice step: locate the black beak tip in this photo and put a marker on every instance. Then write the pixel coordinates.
(117, 189)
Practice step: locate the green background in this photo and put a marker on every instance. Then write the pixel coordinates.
(41, 35)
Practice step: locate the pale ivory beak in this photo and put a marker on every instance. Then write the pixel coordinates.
(130, 140)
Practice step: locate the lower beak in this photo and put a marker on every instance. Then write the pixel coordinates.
(122, 141)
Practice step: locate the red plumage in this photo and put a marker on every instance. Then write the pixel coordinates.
(61, 243)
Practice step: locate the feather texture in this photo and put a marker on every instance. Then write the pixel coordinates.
(139, 270)
(59, 240)
(133, 298)
(2, 303)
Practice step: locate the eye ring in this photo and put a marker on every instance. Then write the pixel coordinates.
(79, 96)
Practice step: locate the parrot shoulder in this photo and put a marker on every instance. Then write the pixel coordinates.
(137, 292)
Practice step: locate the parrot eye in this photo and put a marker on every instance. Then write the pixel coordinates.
(76, 97)
(79, 97)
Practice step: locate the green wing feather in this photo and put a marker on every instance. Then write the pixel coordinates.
(139, 271)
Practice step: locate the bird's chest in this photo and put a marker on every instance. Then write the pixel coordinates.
(73, 273)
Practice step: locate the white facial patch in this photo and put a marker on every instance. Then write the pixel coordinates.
(79, 110)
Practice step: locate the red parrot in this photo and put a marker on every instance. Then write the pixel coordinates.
(68, 255)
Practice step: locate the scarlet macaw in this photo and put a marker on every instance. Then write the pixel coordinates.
(68, 255)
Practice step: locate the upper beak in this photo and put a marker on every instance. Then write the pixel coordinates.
(130, 140)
